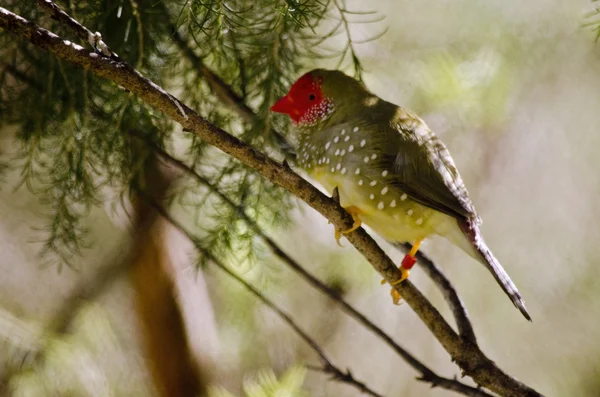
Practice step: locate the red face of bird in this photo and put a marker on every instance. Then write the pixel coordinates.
(305, 102)
(323, 95)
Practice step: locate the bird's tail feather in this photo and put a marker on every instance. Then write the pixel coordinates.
(480, 251)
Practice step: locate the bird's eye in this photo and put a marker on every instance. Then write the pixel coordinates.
(311, 97)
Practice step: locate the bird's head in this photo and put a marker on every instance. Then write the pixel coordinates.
(317, 95)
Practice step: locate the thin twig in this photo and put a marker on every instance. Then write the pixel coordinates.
(427, 375)
(328, 366)
(140, 31)
(93, 39)
(345, 377)
(349, 47)
(226, 94)
(465, 328)
(469, 357)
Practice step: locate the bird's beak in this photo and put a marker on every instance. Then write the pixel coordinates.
(283, 105)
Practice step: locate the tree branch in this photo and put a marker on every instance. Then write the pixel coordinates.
(94, 39)
(226, 94)
(468, 356)
(427, 375)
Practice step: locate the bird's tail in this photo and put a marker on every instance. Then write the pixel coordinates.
(476, 247)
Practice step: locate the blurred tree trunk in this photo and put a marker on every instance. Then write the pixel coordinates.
(172, 365)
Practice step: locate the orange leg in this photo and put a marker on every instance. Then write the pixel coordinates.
(354, 211)
(407, 263)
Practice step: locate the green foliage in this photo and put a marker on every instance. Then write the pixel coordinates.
(74, 130)
(76, 138)
(593, 23)
(266, 384)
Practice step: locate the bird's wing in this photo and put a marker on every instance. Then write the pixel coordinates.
(423, 167)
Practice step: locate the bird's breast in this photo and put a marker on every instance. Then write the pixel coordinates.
(347, 157)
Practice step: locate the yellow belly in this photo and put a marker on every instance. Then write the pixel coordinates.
(393, 216)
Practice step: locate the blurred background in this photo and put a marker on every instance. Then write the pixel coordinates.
(512, 89)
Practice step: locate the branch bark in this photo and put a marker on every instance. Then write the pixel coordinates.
(467, 355)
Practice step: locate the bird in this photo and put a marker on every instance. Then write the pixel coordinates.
(391, 172)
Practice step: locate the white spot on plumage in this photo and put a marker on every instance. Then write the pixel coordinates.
(372, 196)
(371, 101)
(343, 132)
(337, 151)
(419, 221)
(373, 183)
(343, 170)
(336, 139)
(338, 166)
(384, 190)
(347, 138)
(366, 159)
(380, 205)
(351, 148)
(332, 169)
(357, 172)
(327, 145)
(360, 182)
(316, 113)
(384, 173)
(373, 156)
(343, 152)
(393, 203)
(355, 129)
(409, 212)
(363, 142)
(403, 197)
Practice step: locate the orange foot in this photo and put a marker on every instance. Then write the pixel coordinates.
(407, 263)
(354, 212)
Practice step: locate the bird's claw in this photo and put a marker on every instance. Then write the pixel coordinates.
(404, 273)
(407, 263)
(353, 211)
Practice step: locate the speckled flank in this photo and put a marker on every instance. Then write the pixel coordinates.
(343, 157)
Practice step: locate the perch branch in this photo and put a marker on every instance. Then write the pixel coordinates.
(468, 356)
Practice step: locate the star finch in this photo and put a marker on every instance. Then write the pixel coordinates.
(392, 172)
